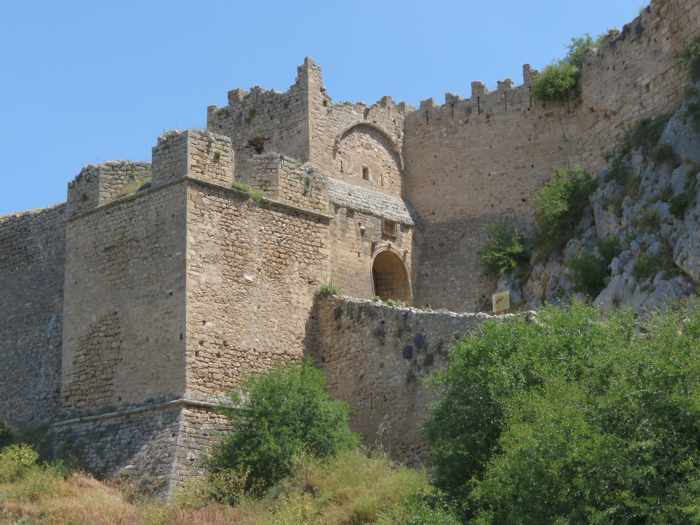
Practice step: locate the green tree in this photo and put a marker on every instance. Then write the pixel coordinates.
(573, 418)
(559, 206)
(506, 249)
(558, 82)
(281, 415)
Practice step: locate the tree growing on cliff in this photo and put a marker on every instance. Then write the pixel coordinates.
(559, 206)
(281, 415)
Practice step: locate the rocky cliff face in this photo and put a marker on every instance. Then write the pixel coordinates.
(646, 211)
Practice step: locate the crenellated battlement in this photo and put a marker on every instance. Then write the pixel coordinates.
(99, 184)
(198, 154)
(289, 181)
(504, 99)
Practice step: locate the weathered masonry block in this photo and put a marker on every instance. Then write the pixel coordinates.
(32, 255)
(389, 351)
(196, 154)
(97, 185)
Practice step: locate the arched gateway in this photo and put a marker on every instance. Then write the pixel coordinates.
(390, 277)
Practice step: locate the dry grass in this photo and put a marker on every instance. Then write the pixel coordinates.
(351, 489)
(43, 496)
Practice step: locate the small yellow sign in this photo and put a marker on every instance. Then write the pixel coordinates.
(501, 302)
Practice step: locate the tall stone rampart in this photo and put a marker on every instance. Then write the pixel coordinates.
(32, 258)
(472, 162)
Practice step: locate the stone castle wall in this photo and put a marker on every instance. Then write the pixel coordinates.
(359, 231)
(97, 185)
(263, 121)
(471, 162)
(289, 181)
(376, 358)
(252, 272)
(349, 137)
(157, 288)
(124, 303)
(32, 256)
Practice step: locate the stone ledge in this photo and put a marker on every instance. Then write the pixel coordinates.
(137, 410)
(149, 191)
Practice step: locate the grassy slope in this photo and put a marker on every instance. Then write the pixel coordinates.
(349, 489)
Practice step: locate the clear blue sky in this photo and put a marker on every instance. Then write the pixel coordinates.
(88, 81)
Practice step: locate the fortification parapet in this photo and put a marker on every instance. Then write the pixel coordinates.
(289, 181)
(260, 120)
(196, 154)
(100, 184)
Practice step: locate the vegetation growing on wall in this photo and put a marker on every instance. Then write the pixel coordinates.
(557, 83)
(506, 249)
(573, 418)
(329, 289)
(561, 81)
(254, 194)
(559, 206)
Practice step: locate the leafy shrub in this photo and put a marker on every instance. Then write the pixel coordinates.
(393, 303)
(558, 82)
(505, 250)
(15, 460)
(579, 47)
(609, 248)
(648, 265)
(559, 206)
(690, 58)
(633, 185)
(618, 170)
(649, 221)
(664, 154)
(679, 204)
(287, 412)
(420, 509)
(645, 135)
(666, 193)
(590, 271)
(227, 486)
(254, 194)
(328, 290)
(573, 418)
